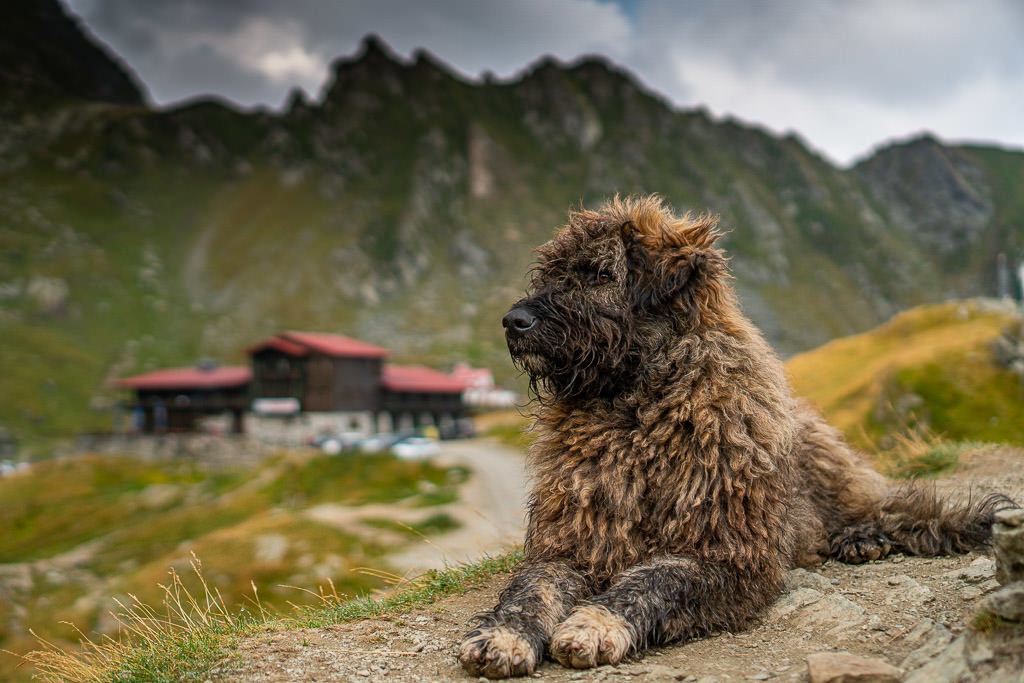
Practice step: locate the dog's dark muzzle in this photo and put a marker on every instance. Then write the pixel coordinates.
(518, 322)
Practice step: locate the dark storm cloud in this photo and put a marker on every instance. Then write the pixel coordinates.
(253, 50)
(846, 75)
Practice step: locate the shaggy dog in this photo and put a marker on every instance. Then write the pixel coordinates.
(676, 479)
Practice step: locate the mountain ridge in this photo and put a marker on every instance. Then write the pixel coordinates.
(402, 205)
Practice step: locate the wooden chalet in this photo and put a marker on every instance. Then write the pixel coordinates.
(323, 372)
(349, 381)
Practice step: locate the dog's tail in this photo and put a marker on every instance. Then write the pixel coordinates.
(921, 522)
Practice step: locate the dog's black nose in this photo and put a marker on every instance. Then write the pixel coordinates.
(518, 320)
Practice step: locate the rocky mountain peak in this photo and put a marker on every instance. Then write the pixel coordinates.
(932, 191)
(373, 55)
(47, 58)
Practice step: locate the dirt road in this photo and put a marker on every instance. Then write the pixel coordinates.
(489, 511)
(490, 507)
(909, 612)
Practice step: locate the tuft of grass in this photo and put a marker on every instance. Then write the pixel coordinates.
(984, 621)
(178, 641)
(915, 455)
(431, 586)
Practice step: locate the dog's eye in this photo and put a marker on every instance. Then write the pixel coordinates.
(603, 276)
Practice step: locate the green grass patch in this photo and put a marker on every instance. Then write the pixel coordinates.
(939, 353)
(60, 504)
(434, 524)
(358, 479)
(964, 396)
(984, 621)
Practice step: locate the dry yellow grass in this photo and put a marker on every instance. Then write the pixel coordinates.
(845, 377)
(153, 643)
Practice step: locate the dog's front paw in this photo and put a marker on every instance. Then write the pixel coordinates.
(591, 635)
(496, 652)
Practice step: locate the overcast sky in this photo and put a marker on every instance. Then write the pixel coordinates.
(846, 75)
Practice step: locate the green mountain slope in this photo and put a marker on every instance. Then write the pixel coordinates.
(931, 370)
(402, 208)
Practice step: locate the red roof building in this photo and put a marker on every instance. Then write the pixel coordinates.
(180, 399)
(216, 377)
(336, 345)
(316, 373)
(419, 379)
(304, 343)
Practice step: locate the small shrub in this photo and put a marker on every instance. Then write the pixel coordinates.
(915, 455)
(984, 621)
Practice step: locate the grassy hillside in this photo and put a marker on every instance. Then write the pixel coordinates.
(81, 533)
(930, 370)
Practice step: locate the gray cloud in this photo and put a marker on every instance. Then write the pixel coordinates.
(849, 75)
(845, 75)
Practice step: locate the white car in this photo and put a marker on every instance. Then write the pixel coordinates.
(416, 448)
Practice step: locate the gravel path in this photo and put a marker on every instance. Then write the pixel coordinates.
(490, 511)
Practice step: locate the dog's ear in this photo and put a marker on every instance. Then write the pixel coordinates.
(664, 275)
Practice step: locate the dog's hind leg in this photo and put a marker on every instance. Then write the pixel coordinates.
(510, 640)
(658, 602)
(866, 516)
(921, 522)
(914, 519)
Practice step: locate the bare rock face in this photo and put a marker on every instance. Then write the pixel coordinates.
(983, 655)
(842, 667)
(1007, 603)
(1008, 546)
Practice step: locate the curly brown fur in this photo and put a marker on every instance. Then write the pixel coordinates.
(676, 479)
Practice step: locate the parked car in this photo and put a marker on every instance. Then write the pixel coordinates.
(416, 448)
(332, 444)
(379, 443)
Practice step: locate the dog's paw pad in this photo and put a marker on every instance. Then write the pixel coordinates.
(591, 636)
(496, 652)
(859, 544)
